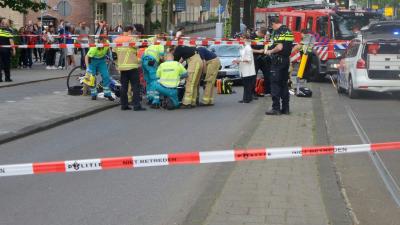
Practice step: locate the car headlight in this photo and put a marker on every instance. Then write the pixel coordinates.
(334, 65)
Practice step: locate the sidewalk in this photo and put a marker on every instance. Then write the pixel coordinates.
(36, 74)
(42, 112)
(273, 192)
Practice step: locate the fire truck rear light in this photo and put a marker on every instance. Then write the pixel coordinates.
(361, 64)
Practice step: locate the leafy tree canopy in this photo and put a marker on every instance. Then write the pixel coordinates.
(23, 6)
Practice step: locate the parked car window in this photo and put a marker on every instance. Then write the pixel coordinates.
(226, 50)
(353, 49)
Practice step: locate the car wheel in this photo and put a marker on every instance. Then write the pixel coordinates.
(352, 93)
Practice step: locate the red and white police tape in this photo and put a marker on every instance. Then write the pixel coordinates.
(136, 44)
(129, 162)
(193, 42)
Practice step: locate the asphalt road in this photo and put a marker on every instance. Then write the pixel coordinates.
(378, 116)
(151, 196)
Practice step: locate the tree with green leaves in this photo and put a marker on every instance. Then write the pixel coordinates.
(23, 6)
(235, 10)
(262, 3)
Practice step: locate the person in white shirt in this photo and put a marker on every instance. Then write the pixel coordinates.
(247, 70)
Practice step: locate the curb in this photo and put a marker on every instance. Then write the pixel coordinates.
(46, 125)
(32, 81)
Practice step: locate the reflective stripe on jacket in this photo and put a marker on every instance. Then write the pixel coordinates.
(170, 73)
(155, 51)
(126, 56)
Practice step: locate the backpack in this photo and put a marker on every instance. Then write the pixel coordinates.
(259, 86)
(224, 86)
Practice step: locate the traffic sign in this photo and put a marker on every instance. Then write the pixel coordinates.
(221, 9)
(64, 8)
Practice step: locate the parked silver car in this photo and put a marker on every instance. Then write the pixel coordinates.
(226, 54)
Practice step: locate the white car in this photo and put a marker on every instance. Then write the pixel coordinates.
(372, 61)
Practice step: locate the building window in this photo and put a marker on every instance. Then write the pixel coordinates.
(138, 13)
(116, 14)
(100, 11)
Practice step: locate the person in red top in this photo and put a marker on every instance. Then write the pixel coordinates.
(31, 39)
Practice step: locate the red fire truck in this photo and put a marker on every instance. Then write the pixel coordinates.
(333, 29)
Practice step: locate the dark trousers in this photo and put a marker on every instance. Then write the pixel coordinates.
(22, 58)
(262, 64)
(83, 54)
(5, 63)
(249, 84)
(29, 57)
(61, 60)
(37, 52)
(279, 85)
(130, 76)
(50, 57)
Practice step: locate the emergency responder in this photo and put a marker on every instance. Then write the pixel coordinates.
(5, 53)
(261, 62)
(96, 59)
(211, 65)
(128, 64)
(279, 50)
(182, 53)
(169, 74)
(151, 58)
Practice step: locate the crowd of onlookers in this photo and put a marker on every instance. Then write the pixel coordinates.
(63, 32)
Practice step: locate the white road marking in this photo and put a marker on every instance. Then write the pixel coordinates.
(11, 101)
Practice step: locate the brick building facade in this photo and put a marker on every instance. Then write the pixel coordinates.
(82, 10)
(122, 12)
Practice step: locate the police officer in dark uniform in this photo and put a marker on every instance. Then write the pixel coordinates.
(279, 51)
(260, 61)
(5, 53)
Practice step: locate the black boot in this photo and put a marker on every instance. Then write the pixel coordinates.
(273, 112)
(123, 108)
(94, 97)
(285, 111)
(110, 98)
(139, 108)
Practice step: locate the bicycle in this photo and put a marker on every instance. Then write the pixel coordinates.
(75, 79)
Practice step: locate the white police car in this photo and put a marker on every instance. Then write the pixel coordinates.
(372, 61)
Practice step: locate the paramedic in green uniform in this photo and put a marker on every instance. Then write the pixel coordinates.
(96, 59)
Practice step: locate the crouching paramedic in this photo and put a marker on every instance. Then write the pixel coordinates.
(211, 65)
(96, 59)
(150, 61)
(170, 73)
(128, 64)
